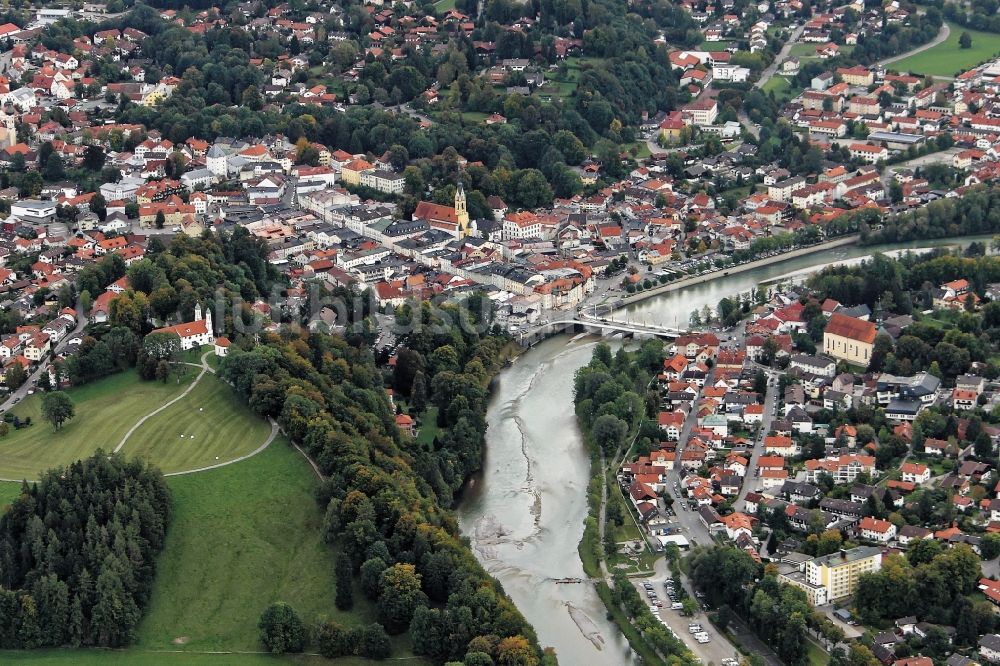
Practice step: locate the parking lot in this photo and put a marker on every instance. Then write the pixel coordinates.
(717, 649)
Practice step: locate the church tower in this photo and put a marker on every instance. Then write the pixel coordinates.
(461, 211)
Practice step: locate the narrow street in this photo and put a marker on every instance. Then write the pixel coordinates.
(770, 407)
(766, 75)
(30, 383)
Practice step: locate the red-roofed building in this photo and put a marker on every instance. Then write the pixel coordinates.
(193, 334)
(849, 339)
(874, 529)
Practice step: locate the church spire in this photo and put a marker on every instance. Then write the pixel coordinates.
(461, 211)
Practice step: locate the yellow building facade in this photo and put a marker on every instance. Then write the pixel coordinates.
(838, 572)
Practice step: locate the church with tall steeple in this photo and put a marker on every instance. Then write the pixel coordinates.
(451, 220)
(193, 334)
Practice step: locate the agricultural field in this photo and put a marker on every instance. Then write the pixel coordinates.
(947, 58)
(105, 410)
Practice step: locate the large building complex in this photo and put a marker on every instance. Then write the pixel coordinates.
(834, 576)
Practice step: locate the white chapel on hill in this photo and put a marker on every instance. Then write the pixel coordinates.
(193, 333)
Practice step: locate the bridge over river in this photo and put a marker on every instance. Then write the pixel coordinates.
(584, 323)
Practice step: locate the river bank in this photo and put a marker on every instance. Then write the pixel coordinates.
(735, 270)
(524, 512)
(673, 308)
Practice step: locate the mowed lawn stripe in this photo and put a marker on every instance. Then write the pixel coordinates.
(216, 426)
(105, 410)
(9, 491)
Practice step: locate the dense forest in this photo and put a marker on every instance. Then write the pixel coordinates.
(77, 554)
(228, 271)
(385, 495)
(612, 394)
(977, 211)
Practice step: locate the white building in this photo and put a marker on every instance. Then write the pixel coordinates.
(874, 529)
(383, 181)
(124, 190)
(33, 211)
(729, 72)
(197, 178)
(195, 333)
(217, 161)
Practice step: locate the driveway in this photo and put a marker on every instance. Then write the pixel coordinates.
(407, 109)
(780, 58)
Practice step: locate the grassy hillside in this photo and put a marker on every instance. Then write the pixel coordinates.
(242, 537)
(105, 410)
(135, 657)
(209, 425)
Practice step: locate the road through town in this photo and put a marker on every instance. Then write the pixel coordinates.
(29, 385)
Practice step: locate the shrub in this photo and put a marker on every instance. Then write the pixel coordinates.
(281, 629)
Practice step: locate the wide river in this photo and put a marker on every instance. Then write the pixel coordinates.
(524, 512)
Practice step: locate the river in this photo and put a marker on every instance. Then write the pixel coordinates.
(674, 308)
(524, 511)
